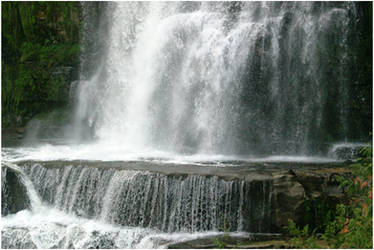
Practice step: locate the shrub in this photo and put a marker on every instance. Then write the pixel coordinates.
(352, 226)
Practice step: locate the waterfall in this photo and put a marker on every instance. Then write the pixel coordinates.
(189, 121)
(255, 78)
(171, 203)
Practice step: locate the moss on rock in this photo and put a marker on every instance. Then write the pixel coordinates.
(40, 47)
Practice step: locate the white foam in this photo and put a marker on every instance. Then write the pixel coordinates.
(105, 152)
(336, 146)
(51, 228)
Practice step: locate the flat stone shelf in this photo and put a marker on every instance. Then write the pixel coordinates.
(228, 170)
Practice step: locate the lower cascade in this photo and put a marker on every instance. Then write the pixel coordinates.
(77, 204)
(169, 203)
(130, 204)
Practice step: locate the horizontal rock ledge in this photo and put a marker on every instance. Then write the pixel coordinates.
(231, 170)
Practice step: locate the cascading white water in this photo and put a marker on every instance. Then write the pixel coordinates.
(187, 207)
(45, 227)
(171, 203)
(216, 78)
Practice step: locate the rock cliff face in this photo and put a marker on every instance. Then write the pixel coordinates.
(292, 193)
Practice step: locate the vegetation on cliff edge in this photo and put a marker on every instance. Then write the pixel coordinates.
(40, 49)
(352, 225)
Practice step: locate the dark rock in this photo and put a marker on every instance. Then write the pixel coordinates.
(321, 183)
(251, 241)
(288, 196)
(14, 196)
(291, 172)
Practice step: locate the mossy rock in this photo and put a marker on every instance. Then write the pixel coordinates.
(41, 57)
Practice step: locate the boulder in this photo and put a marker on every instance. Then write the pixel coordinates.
(288, 196)
(14, 196)
(302, 195)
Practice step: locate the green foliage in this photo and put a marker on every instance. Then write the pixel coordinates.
(353, 223)
(301, 237)
(48, 55)
(319, 213)
(220, 243)
(38, 40)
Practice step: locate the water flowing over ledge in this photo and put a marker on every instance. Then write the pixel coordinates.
(167, 202)
(170, 202)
